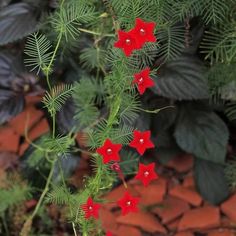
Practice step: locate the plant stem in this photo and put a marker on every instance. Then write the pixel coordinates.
(28, 222)
(46, 188)
(48, 82)
(53, 126)
(73, 226)
(5, 225)
(96, 33)
(156, 110)
(52, 59)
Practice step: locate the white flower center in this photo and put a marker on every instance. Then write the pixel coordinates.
(128, 203)
(141, 140)
(90, 208)
(128, 41)
(146, 173)
(109, 151)
(140, 80)
(142, 31)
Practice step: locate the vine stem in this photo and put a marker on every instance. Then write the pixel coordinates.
(53, 126)
(95, 33)
(52, 59)
(156, 110)
(27, 225)
(46, 188)
(28, 222)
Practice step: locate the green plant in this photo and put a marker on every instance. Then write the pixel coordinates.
(192, 66)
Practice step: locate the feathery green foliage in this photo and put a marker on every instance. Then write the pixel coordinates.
(56, 98)
(219, 45)
(15, 193)
(231, 110)
(106, 101)
(39, 50)
(129, 108)
(172, 41)
(93, 57)
(66, 20)
(59, 195)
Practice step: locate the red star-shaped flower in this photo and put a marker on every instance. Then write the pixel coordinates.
(109, 151)
(141, 141)
(143, 80)
(146, 173)
(127, 42)
(143, 32)
(91, 209)
(109, 233)
(128, 203)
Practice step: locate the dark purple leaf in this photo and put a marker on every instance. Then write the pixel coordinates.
(17, 21)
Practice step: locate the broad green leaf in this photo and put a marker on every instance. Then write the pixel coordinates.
(210, 181)
(182, 79)
(202, 133)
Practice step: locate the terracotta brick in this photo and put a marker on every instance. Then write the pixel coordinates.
(181, 163)
(31, 100)
(30, 204)
(29, 117)
(145, 221)
(7, 160)
(227, 223)
(171, 208)
(9, 139)
(172, 182)
(184, 234)
(189, 182)
(229, 208)
(125, 230)
(173, 225)
(82, 139)
(186, 194)
(222, 232)
(41, 128)
(23, 147)
(108, 220)
(152, 194)
(200, 218)
(113, 196)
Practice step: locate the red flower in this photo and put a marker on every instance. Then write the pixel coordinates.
(127, 42)
(141, 141)
(143, 80)
(90, 208)
(128, 203)
(146, 173)
(109, 151)
(144, 32)
(108, 233)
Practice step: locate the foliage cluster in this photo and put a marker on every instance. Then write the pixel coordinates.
(193, 66)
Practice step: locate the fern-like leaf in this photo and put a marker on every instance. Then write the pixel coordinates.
(93, 57)
(59, 195)
(130, 107)
(122, 134)
(219, 45)
(55, 99)
(172, 42)
(38, 48)
(231, 111)
(214, 10)
(67, 19)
